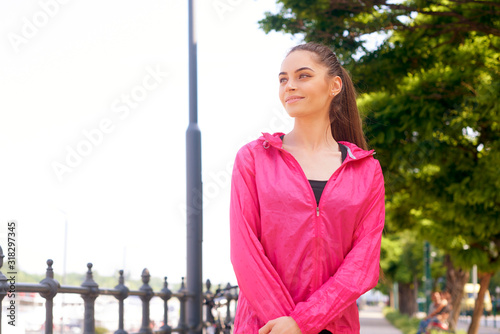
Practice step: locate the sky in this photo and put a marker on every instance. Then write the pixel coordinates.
(93, 117)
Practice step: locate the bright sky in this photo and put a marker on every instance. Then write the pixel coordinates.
(93, 116)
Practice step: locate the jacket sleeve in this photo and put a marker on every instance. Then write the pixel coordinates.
(257, 277)
(358, 272)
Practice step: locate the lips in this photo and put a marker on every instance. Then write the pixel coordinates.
(293, 99)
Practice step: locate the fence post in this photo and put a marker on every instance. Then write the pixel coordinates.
(145, 302)
(209, 303)
(229, 297)
(182, 300)
(49, 296)
(168, 294)
(236, 294)
(121, 297)
(89, 301)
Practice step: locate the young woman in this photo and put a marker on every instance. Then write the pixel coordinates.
(307, 208)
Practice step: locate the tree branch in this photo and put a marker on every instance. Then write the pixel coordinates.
(480, 2)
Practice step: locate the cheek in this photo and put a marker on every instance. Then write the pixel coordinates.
(281, 93)
(321, 94)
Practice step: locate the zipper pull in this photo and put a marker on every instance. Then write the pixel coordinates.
(317, 211)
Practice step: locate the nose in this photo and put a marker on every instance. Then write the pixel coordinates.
(290, 85)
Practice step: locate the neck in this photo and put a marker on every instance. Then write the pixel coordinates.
(311, 134)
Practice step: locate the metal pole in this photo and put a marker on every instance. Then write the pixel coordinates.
(395, 292)
(427, 269)
(475, 288)
(194, 193)
(497, 300)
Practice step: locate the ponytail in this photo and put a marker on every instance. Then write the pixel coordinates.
(345, 119)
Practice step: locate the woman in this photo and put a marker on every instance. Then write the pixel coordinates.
(438, 316)
(434, 308)
(307, 208)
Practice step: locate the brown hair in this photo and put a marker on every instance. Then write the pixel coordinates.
(345, 119)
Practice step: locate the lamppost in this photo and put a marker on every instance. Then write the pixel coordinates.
(194, 194)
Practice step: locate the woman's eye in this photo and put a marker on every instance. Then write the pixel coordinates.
(304, 76)
(282, 80)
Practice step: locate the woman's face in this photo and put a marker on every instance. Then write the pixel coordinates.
(306, 90)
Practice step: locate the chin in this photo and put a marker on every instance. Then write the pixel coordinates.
(295, 112)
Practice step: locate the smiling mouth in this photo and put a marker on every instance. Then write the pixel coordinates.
(293, 100)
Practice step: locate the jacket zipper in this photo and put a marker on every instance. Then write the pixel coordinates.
(316, 221)
(311, 192)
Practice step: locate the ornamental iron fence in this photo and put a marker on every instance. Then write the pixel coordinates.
(223, 298)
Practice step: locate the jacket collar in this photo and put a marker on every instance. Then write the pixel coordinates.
(267, 140)
(353, 152)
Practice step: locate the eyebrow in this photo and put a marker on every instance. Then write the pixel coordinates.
(300, 69)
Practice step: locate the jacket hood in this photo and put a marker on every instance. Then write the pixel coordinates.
(273, 140)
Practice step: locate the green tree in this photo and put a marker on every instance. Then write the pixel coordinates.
(401, 261)
(430, 94)
(442, 152)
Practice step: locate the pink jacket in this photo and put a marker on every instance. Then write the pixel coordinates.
(294, 258)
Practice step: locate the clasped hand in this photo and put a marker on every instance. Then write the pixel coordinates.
(282, 325)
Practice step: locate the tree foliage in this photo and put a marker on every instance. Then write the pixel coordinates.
(437, 134)
(343, 24)
(430, 93)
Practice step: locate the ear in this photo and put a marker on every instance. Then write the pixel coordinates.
(335, 85)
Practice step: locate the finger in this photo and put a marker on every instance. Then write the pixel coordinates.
(267, 327)
(264, 329)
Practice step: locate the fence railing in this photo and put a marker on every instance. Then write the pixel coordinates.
(89, 290)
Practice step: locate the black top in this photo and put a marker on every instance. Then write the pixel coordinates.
(319, 186)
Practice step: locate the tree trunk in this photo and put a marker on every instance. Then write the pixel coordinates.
(455, 282)
(407, 299)
(484, 281)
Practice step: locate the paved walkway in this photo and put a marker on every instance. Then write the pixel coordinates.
(373, 321)
(484, 328)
